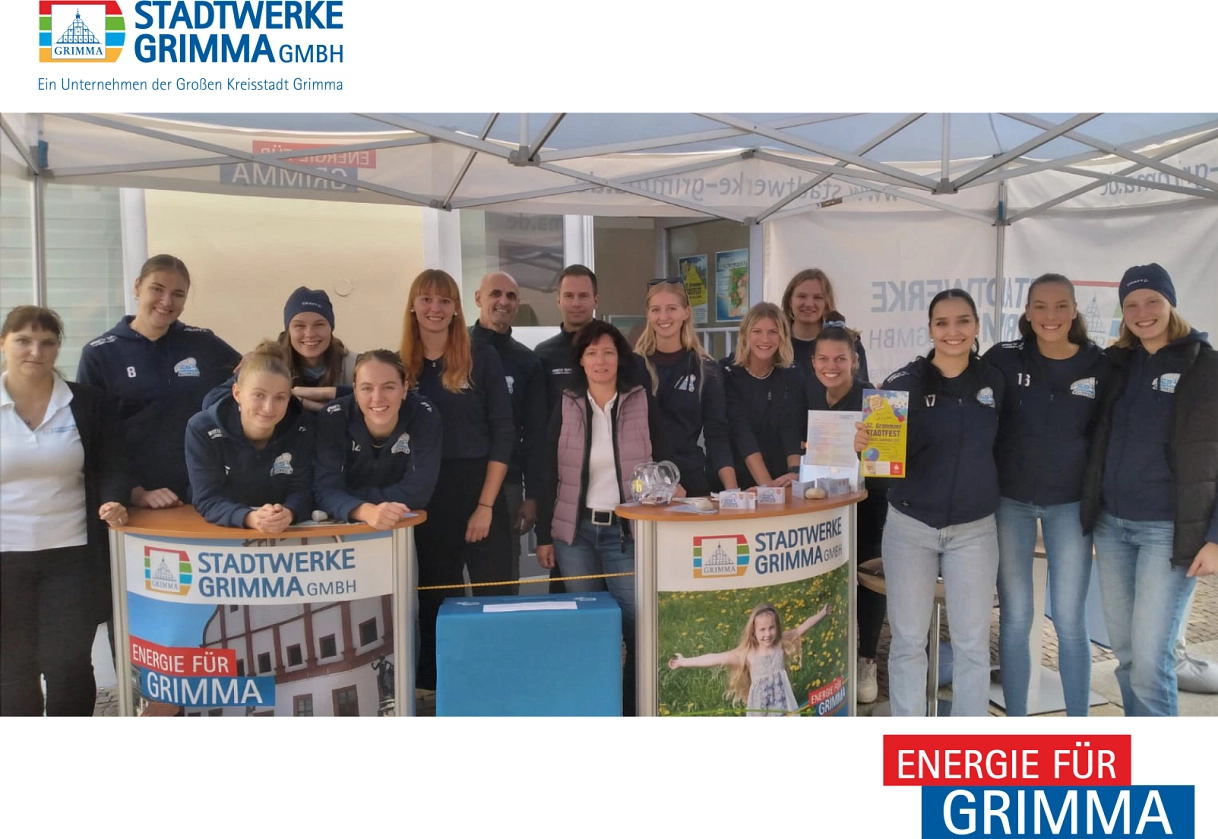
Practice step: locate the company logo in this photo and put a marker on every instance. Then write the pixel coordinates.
(986, 397)
(103, 340)
(215, 433)
(282, 465)
(167, 571)
(1084, 387)
(720, 556)
(511, 383)
(1034, 785)
(80, 32)
(187, 367)
(330, 409)
(1166, 383)
(402, 446)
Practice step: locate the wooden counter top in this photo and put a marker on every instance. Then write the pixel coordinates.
(793, 507)
(185, 523)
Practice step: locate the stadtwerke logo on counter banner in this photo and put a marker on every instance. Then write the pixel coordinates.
(80, 32)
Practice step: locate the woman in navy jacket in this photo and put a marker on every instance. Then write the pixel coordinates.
(765, 400)
(467, 521)
(1051, 379)
(1151, 485)
(941, 515)
(685, 382)
(158, 369)
(834, 363)
(378, 450)
(250, 455)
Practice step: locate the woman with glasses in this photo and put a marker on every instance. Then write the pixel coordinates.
(686, 384)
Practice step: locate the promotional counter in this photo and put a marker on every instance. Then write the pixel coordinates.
(700, 577)
(221, 621)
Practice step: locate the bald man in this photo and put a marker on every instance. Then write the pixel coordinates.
(498, 299)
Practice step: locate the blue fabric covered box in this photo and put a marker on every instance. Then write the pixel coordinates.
(556, 655)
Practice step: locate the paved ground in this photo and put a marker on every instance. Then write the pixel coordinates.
(1202, 639)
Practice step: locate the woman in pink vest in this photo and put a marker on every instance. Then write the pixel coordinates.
(602, 427)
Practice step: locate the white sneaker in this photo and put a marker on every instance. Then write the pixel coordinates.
(867, 687)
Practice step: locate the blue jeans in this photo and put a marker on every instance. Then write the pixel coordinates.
(913, 555)
(1069, 557)
(1145, 599)
(604, 550)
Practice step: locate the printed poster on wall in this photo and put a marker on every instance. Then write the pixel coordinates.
(262, 627)
(754, 616)
(731, 284)
(693, 270)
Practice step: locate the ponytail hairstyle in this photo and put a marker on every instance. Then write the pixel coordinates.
(646, 345)
(268, 357)
(1078, 328)
(384, 357)
(458, 357)
(932, 378)
(834, 328)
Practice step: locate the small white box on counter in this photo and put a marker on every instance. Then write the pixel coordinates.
(735, 500)
(772, 495)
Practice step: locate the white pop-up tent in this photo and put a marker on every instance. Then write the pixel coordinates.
(875, 199)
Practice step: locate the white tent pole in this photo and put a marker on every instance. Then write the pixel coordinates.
(578, 246)
(1030, 168)
(20, 144)
(945, 158)
(1121, 179)
(535, 146)
(1000, 276)
(907, 178)
(1074, 193)
(1053, 132)
(456, 138)
(900, 126)
(133, 222)
(442, 245)
(680, 139)
(469, 159)
(756, 264)
(1122, 151)
(524, 131)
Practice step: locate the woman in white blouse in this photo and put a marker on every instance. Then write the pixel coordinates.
(62, 479)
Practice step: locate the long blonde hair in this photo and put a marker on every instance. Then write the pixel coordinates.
(646, 345)
(785, 355)
(1177, 328)
(739, 680)
(458, 358)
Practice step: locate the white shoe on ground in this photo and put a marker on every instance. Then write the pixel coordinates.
(868, 688)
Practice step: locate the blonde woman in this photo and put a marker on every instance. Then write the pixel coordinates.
(765, 400)
(805, 302)
(467, 518)
(686, 384)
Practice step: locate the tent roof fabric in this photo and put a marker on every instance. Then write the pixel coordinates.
(743, 167)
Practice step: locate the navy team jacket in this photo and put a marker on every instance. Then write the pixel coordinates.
(952, 477)
(1045, 421)
(229, 477)
(350, 470)
(158, 385)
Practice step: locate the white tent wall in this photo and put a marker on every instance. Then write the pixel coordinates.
(885, 267)
(1094, 249)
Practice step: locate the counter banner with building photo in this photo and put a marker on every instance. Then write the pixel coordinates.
(755, 619)
(731, 285)
(288, 627)
(693, 270)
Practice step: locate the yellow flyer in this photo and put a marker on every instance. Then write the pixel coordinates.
(886, 415)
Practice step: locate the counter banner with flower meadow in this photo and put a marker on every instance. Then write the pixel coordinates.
(753, 615)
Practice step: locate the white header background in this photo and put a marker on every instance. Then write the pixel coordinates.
(587, 777)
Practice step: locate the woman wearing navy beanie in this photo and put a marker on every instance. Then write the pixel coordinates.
(322, 367)
(1151, 484)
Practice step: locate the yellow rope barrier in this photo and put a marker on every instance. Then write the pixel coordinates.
(529, 582)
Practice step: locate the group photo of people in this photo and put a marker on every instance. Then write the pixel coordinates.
(1111, 453)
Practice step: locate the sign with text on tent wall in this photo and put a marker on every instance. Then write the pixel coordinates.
(731, 285)
(714, 581)
(269, 627)
(693, 270)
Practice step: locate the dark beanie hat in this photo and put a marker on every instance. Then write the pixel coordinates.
(1150, 276)
(308, 300)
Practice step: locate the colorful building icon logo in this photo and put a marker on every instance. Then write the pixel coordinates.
(720, 556)
(80, 32)
(167, 571)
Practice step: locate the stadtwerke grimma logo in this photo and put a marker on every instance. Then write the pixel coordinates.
(80, 31)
